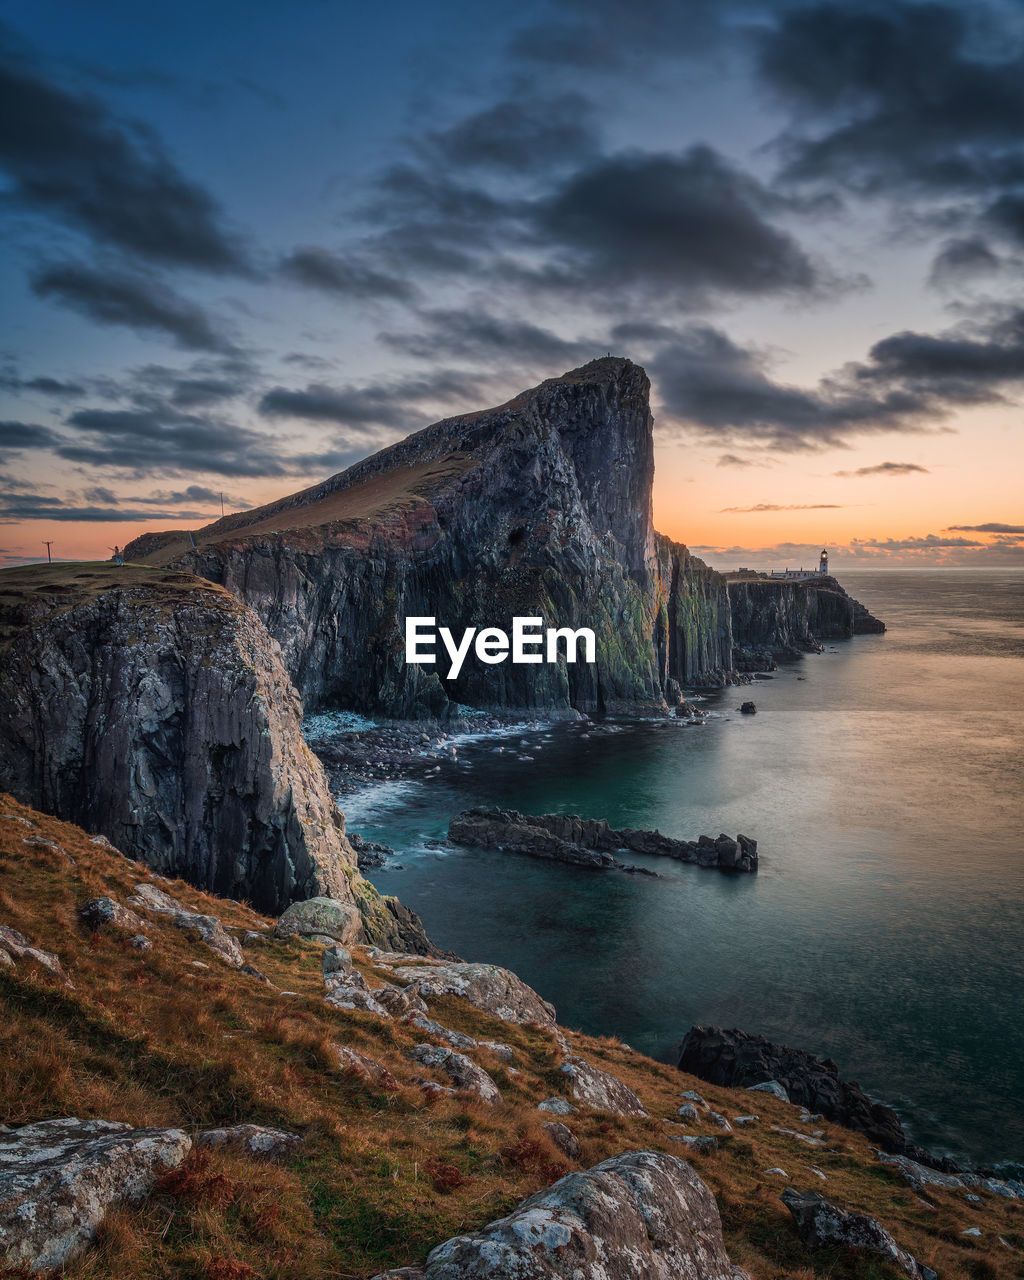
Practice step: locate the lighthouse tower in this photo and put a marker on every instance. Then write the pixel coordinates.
(823, 564)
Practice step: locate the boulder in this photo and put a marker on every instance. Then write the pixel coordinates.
(822, 1224)
(455, 1039)
(557, 1106)
(563, 1138)
(335, 960)
(749, 709)
(592, 1087)
(770, 1086)
(58, 1178)
(460, 1070)
(252, 1139)
(644, 1215)
(366, 1069)
(703, 1145)
(496, 991)
(341, 995)
(328, 917)
(98, 912)
(17, 948)
(920, 1176)
(399, 1002)
(150, 898)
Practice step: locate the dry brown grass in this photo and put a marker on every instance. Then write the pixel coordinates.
(381, 1177)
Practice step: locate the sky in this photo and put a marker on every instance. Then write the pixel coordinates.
(243, 245)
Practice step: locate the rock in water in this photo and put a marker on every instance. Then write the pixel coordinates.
(590, 842)
(58, 1178)
(737, 1058)
(638, 1216)
(821, 1224)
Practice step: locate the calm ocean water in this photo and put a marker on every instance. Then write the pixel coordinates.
(883, 781)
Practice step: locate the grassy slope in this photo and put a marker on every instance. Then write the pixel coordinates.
(382, 1177)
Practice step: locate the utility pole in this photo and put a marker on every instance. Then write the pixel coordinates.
(49, 557)
(222, 504)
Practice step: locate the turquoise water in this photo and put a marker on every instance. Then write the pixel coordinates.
(883, 781)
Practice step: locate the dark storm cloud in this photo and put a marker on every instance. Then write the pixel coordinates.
(16, 436)
(343, 275)
(962, 366)
(620, 227)
(42, 385)
(189, 389)
(31, 507)
(960, 260)
(991, 527)
(773, 506)
(136, 301)
(928, 96)
(65, 155)
(527, 134)
(364, 409)
(479, 336)
(886, 469)
(691, 220)
(164, 441)
(707, 382)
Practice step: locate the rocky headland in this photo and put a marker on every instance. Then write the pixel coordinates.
(541, 507)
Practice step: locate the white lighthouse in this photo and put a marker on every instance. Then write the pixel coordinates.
(823, 564)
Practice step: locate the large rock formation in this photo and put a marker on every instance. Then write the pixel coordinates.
(733, 1057)
(590, 842)
(774, 620)
(639, 1216)
(59, 1178)
(156, 709)
(539, 508)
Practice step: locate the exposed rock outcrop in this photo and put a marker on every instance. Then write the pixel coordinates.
(638, 1216)
(592, 1087)
(733, 1057)
(463, 1073)
(590, 842)
(159, 713)
(489, 987)
(58, 1178)
(822, 1224)
(256, 1140)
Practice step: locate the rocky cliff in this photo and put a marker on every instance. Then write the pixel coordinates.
(155, 709)
(773, 620)
(541, 507)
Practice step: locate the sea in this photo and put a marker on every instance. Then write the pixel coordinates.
(883, 780)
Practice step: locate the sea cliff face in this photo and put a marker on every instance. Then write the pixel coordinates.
(777, 620)
(539, 508)
(160, 714)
